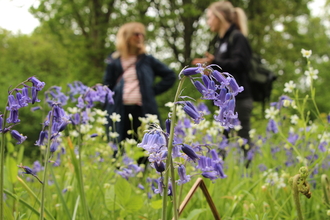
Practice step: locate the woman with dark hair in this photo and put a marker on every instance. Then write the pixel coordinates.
(131, 74)
(232, 52)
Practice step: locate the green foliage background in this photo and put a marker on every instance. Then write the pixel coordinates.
(75, 36)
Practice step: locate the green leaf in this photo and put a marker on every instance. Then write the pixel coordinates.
(134, 204)
(12, 169)
(10, 147)
(195, 213)
(157, 204)
(111, 201)
(122, 191)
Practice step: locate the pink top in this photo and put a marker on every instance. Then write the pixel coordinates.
(131, 93)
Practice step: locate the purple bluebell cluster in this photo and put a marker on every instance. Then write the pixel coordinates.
(19, 98)
(221, 88)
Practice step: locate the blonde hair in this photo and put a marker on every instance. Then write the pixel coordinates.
(225, 11)
(124, 33)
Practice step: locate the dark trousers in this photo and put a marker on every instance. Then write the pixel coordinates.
(136, 112)
(244, 110)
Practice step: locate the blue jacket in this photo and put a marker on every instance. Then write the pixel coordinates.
(147, 69)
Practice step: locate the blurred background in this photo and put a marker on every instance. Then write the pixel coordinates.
(61, 41)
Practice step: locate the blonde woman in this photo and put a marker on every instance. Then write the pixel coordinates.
(131, 74)
(232, 53)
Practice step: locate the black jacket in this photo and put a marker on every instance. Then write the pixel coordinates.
(233, 54)
(147, 69)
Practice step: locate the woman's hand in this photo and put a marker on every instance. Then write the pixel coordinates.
(208, 59)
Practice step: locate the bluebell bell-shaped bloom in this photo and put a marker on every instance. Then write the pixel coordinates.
(221, 79)
(189, 151)
(322, 146)
(16, 135)
(125, 173)
(205, 164)
(54, 94)
(202, 107)
(75, 119)
(153, 141)
(235, 88)
(193, 70)
(215, 156)
(25, 93)
(54, 145)
(292, 138)
(42, 137)
(176, 151)
(37, 167)
(272, 126)
(184, 178)
(159, 166)
(192, 111)
(36, 83)
(212, 175)
(57, 162)
(168, 125)
(34, 95)
(218, 168)
(12, 103)
(13, 117)
(21, 100)
(33, 109)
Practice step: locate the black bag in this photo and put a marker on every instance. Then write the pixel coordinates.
(261, 78)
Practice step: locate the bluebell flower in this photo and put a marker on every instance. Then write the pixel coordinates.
(12, 103)
(25, 93)
(37, 167)
(16, 135)
(202, 107)
(189, 151)
(34, 98)
(192, 111)
(36, 83)
(222, 80)
(235, 88)
(53, 146)
(272, 126)
(193, 70)
(212, 175)
(322, 146)
(159, 166)
(42, 137)
(218, 168)
(184, 178)
(13, 117)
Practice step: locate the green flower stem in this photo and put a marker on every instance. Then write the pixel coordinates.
(169, 165)
(81, 184)
(296, 196)
(325, 189)
(42, 205)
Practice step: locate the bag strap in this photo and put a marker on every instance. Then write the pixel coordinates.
(121, 75)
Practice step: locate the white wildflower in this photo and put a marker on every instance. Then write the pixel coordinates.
(115, 117)
(73, 110)
(101, 113)
(306, 53)
(289, 86)
(312, 73)
(294, 119)
(271, 112)
(252, 133)
(74, 133)
(113, 134)
(102, 120)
